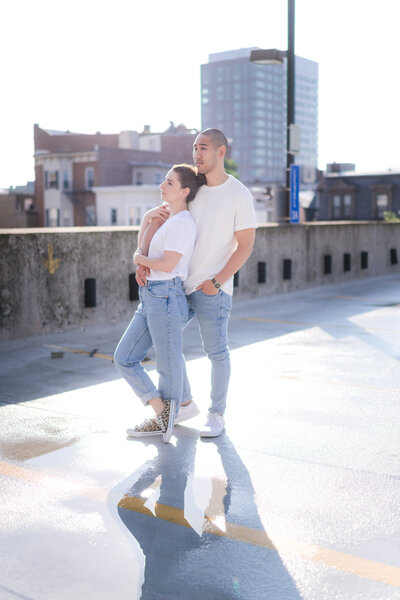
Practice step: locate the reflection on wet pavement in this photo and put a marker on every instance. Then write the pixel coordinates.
(298, 500)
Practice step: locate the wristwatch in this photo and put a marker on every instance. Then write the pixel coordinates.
(215, 283)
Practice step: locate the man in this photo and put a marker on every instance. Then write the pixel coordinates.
(225, 220)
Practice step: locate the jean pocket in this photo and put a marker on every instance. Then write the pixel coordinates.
(183, 307)
(158, 289)
(210, 295)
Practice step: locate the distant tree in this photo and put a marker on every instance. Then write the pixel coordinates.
(231, 167)
(390, 216)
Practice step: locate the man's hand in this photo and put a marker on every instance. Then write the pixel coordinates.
(207, 287)
(141, 275)
(161, 212)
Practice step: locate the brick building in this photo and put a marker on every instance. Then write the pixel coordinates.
(17, 207)
(70, 166)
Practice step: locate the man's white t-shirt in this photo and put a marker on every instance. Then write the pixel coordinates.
(218, 212)
(177, 234)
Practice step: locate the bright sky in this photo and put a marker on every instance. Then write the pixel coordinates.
(96, 65)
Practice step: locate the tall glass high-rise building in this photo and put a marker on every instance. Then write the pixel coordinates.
(248, 102)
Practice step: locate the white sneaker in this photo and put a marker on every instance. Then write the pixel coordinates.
(214, 425)
(187, 412)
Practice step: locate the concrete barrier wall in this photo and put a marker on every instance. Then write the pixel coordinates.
(43, 271)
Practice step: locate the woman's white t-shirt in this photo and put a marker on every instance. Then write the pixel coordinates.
(176, 234)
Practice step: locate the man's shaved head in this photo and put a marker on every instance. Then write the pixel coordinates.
(218, 138)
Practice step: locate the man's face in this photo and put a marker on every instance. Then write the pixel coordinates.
(205, 154)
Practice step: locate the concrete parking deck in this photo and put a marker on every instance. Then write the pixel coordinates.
(298, 499)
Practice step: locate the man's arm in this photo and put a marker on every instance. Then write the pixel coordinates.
(245, 239)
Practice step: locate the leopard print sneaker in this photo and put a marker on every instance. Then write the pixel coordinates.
(148, 427)
(166, 419)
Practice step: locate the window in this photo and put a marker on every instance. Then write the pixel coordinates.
(65, 180)
(90, 219)
(381, 200)
(381, 204)
(135, 215)
(220, 93)
(89, 178)
(139, 178)
(52, 180)
(113, 216)
(52, 217)
(158, 178)
(66, 218)
(342, 206)
(347, 206)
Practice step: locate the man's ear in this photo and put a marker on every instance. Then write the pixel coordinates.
(221, 151)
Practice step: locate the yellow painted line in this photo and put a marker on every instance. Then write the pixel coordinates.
(346, 563)
(330, 325)
(96, 354)
(77, 351)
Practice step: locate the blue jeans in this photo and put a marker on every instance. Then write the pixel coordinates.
(212, 313)
(158, 321)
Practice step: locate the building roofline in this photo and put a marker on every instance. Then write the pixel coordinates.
(140, 163)
(395, 171)
(64, 153)
(126, 188)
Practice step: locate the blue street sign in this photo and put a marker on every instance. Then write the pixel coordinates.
(294, 193)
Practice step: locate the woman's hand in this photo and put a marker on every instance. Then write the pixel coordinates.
(141, 275)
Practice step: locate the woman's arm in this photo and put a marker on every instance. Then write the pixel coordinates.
(151, 228)
(152, 221)
(158, 214)
(168, 261)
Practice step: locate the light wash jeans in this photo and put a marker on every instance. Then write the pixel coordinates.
(213, 313)
(158, 321)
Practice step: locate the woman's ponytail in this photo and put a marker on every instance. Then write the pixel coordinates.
(189, 176)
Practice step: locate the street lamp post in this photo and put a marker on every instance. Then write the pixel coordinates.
(272, 56)
(290, 84)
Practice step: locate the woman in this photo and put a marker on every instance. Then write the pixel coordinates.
(163, 311)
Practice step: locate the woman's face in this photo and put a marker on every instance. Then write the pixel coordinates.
(172, 191)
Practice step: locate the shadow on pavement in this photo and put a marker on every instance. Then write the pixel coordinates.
(179, 563)
(28, 372)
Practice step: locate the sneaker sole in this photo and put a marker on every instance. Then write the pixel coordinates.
(209, 434)
(136, 434)
(171, 423)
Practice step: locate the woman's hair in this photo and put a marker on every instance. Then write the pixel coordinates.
(189, 177)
